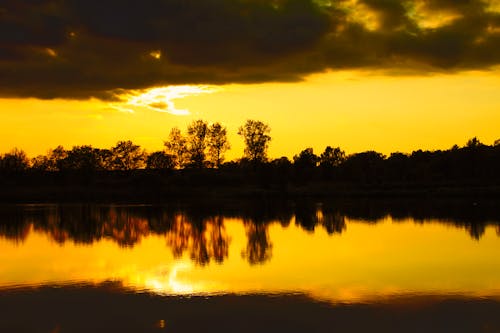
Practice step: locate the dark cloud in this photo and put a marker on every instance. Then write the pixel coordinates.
(78, 49)
(393, 14)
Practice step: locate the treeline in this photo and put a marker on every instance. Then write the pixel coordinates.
(196, 158)
(203, 146)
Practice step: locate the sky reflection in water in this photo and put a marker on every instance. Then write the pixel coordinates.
(318, 249)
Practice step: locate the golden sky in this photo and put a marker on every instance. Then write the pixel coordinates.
(359, 74)
(355, 110)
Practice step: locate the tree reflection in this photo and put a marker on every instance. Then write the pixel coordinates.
(333, 222)
(476, 230)
(125, 227)
(259, 247)
(14, 224)
(219, 239)
(309, 215)
(204, 240)
(199, 230)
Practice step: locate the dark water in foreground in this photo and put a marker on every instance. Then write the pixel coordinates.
(268, 266)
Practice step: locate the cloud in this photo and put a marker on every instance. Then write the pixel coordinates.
(80, 49)
(160, 99)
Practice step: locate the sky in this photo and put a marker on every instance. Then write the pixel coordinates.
(384, 75)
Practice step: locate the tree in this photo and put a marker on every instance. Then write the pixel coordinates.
(127, 156)
(105, 159)
(40, 163)
(363, 167)
(176, 146)
(14, 161)
(197, 143)
(332, 157)
(256, 137)
(306, 159)
(81, 158)
(55, 158)
(473, 143)
(160, 160)
(217, 144)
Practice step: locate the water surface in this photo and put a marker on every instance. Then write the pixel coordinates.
(329, 252)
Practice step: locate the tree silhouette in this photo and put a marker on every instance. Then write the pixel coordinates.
(332, 157)
(256, 137)
(160, 160)
(217, 144)
(127, 156)
(82, 158)
(14, 161)
(473, 143)
(40, 163)
(197, 143)
(177, 147)
(306, 159)
(55, 158)
(364, 167)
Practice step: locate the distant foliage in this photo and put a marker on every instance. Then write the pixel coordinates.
(332, 157)
(14, 161)
(306, 159)
(473, 143)
(160, 160)
(82, 158)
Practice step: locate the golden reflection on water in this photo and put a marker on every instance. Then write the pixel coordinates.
(365, 260)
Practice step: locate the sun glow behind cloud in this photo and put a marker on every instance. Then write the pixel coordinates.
(161, 99)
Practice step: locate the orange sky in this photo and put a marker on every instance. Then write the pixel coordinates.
(357, 111)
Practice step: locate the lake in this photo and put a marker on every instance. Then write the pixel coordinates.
(309, 265)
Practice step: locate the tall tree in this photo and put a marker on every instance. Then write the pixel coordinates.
(217, 144)
(127, 156)
(197, 142)
(256, 137)
(177, 147)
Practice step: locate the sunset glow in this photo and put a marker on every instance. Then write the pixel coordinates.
(160, 99)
